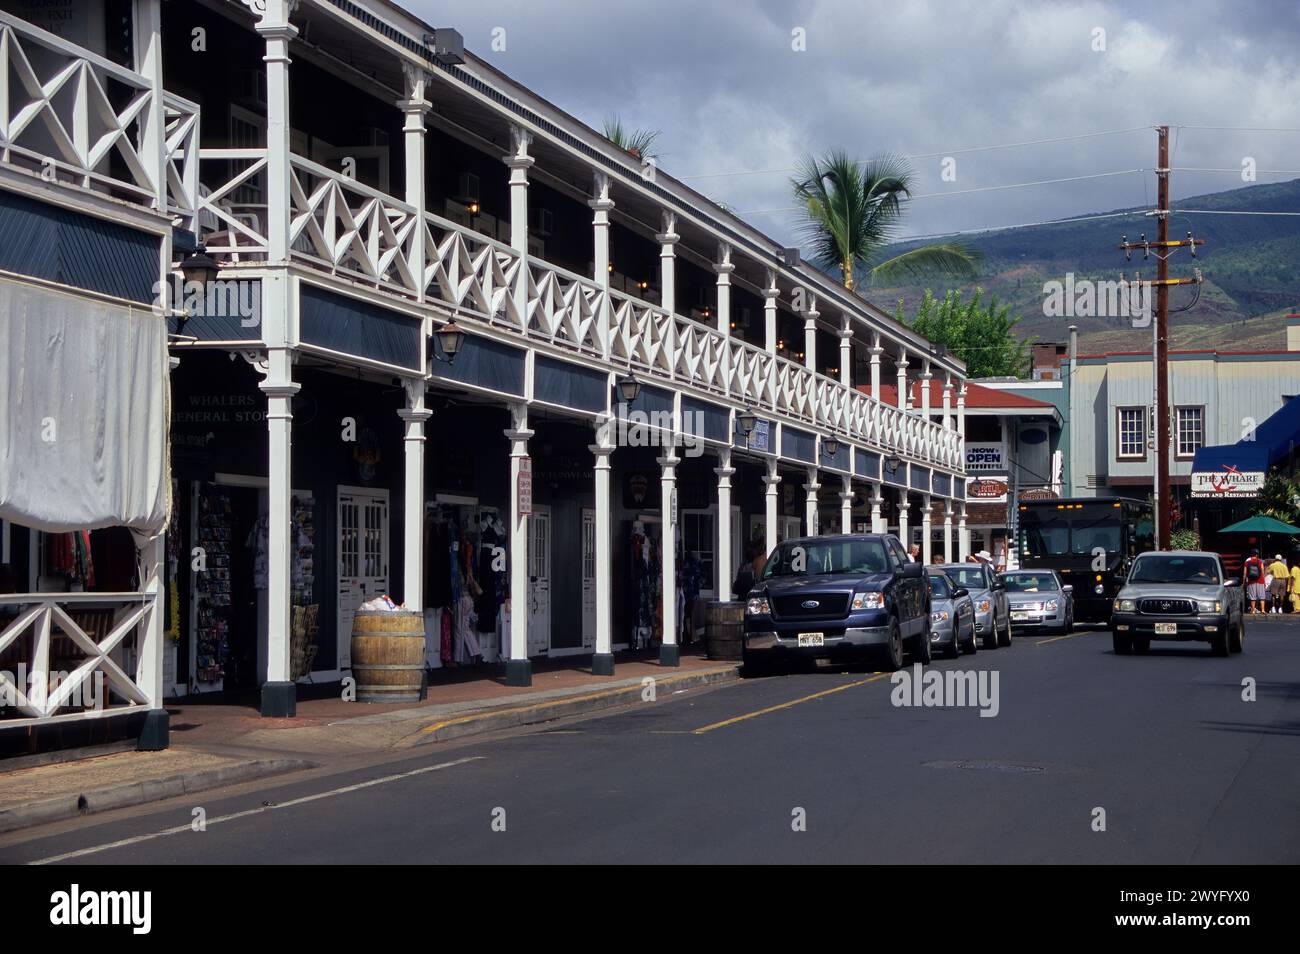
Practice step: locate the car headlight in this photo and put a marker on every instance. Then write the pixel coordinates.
(868, 600)
(1125, 606)
(758, 606)
(938, 616)
(983, 606)
(1099, 589)
(1051, 606)
(1209, 606)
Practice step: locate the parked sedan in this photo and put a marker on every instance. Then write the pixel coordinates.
(1040, 602)
(989, 594)
(952, 616)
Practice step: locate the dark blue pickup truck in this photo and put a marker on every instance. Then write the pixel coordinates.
(852, 595)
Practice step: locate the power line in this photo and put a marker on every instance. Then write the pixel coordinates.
(1226, 212)
(1263, 172)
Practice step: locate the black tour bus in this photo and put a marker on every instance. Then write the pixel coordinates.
(1090, 541)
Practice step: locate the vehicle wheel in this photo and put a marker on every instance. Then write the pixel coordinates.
(954, 649)
(1123, 644)
(1236, 637)
(1141, 646)
(972, 645)
(1219, 645)
(923, 650)
(991, 637)
(893, 660)
(1005, 638)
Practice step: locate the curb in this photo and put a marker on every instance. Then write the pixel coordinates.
(62, 807)
(477, 723)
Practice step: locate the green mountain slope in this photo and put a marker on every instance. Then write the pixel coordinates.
(1251, 266)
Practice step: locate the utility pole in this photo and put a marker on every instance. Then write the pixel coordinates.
(1160, 345)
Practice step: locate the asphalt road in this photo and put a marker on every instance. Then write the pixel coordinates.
(1184, 769)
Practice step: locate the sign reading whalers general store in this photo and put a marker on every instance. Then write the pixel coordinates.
(1228, 481)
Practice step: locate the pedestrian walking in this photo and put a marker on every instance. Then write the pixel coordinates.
(749, 574)
(1295, 581)
(1252, 574)
(1279, 582)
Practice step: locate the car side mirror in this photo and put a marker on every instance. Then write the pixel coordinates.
(1231, 582)
(1067, 588)
(913, 571)
(960, 592)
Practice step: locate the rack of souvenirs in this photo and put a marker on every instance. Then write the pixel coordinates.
(212, 585)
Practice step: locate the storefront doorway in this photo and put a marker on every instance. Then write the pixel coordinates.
(539, 581)
(363, 557)
(588, 580)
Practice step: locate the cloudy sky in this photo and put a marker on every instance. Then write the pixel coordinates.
(924, 79)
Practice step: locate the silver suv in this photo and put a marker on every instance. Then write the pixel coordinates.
(1178, 595)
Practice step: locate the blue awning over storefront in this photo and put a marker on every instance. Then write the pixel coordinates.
(1273, 441)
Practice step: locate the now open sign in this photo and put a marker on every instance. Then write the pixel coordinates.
(986, 457)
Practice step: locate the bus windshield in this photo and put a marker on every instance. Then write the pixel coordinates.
(1070, 532)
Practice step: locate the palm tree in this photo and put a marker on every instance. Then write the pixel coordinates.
(853, 208)
(638, 142)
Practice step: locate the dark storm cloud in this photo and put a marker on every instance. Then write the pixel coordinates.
(729, 94)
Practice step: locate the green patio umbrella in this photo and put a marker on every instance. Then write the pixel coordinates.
(1261, 524)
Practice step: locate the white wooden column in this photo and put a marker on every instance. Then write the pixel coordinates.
(277, 31)
(846, 505)
(810, 334)
(877, 522)
(947, 532)
(926, 378)
(153, 122)
(601, 204)
(279, 695)
(876, 352)
(961, 424)
(770, 295)
(519, 162)
(947, 400)
(903, 396)
(810, 515)
(668, 262)
(724, 268)
(722, 559)
(771, 502)
(602, 663)
(414, 107)
(927, 527)
(519, 670)
(413, 416)
(149, 662)
(669, 651)
(963, 534)
(902, 520)
(846, 352)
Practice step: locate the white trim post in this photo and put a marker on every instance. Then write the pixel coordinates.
(810, 333)
(927, 527)
(770, 295)
(963, 534)
(846, 505)
(771, 502)
(519, 671)
(902, 520)
(926, 377)
(724, 268)
(668, 262)
(414, 105)
(279, 694)
(947, 531)
(153, 119)
(151, 645)
(602, 663)
(877, 501)
(903, 397)
(722, 559)
(519, 162)
(846, 352)
(413, 417)
(876, 352)
(669, 651)
(947, 400)
(811, 488)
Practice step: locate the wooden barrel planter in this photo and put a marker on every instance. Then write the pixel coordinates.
(388, 656)
(724, 626)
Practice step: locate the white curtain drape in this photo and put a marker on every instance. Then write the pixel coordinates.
(84, 412)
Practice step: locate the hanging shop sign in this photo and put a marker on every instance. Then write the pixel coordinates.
(986, 490)
(1037, 493)
(1227, 482)
(524, 491)
(988, 457)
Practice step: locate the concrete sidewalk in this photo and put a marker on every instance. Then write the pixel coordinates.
(217, 743)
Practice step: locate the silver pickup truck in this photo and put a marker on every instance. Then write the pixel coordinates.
(1178, 595)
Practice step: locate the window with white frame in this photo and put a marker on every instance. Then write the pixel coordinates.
(1131, 433)
(1191, 430)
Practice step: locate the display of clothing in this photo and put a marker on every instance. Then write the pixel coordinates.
(460, 582)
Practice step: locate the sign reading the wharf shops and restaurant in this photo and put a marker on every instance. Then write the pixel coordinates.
(990, 458)
(1227, 482)
(525, 489)
(986, 490)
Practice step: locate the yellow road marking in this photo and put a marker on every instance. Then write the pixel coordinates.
(786, 705)
(1052, 639)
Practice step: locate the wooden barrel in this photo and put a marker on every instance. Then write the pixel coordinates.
(724, 626)
(388, 656)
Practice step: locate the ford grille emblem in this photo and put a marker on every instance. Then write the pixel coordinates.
(811, 604)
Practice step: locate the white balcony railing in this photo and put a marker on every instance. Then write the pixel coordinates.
(52, 645)
(348, 229)
(70, 114)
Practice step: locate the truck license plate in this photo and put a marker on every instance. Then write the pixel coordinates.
(812, 639)
(1166, 629)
